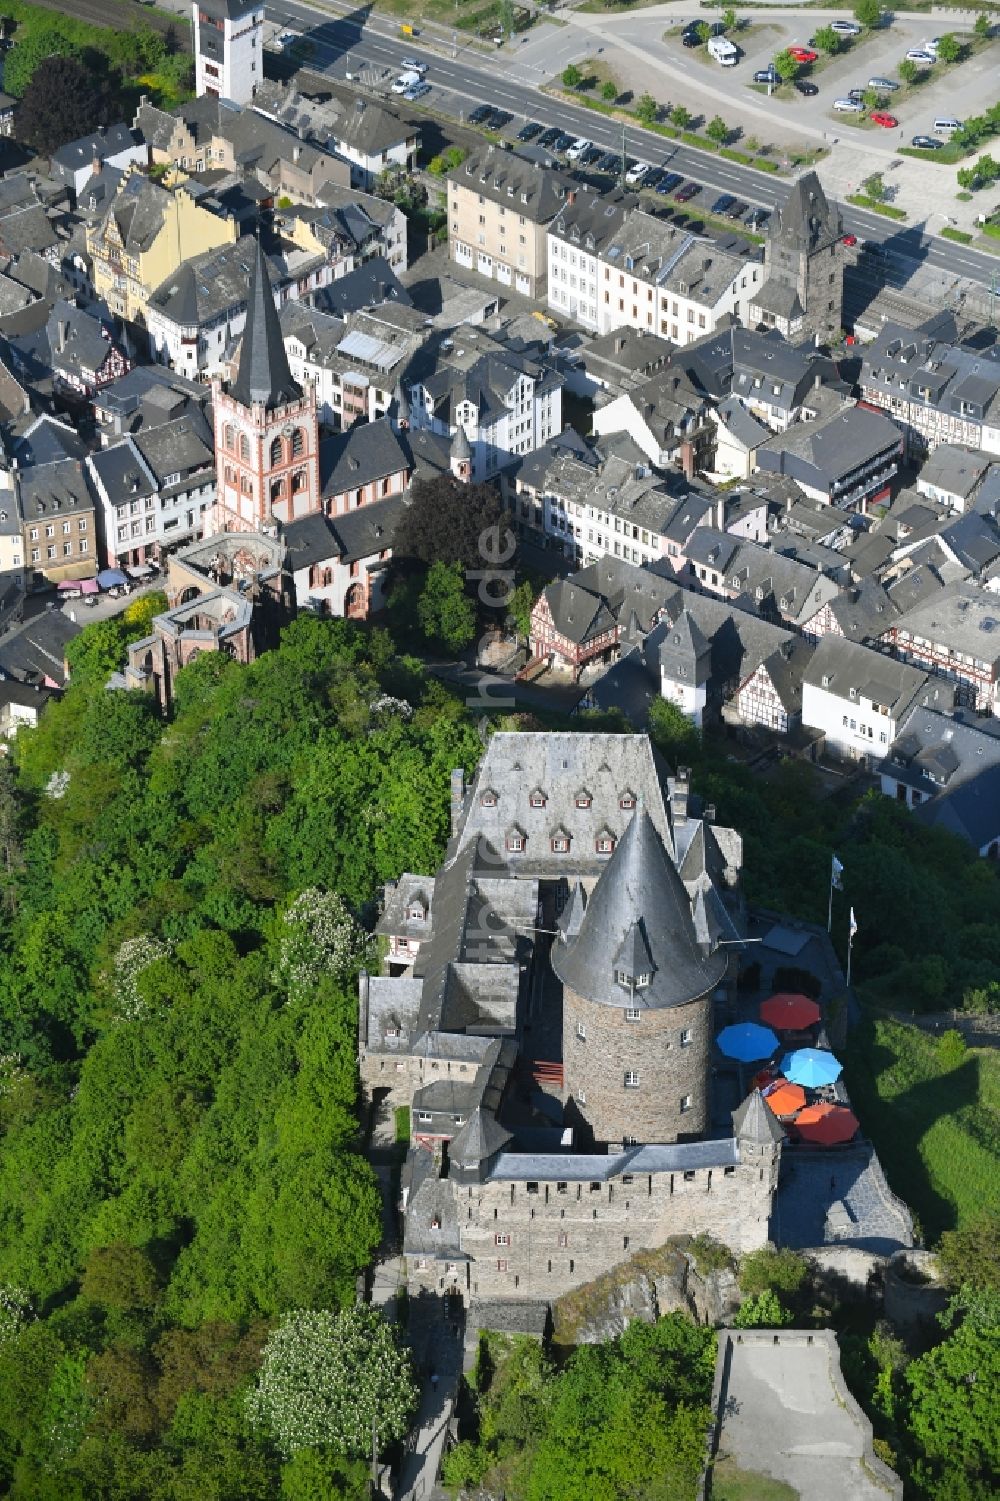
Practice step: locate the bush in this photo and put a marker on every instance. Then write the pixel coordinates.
(951, 1048)
(710, 1255)
(772, 1270)
(572, 77)
(763, 1311)
(609, 91)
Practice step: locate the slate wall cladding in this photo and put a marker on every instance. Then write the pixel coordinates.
(666, 1050)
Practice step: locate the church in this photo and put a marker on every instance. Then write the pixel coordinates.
(803, 290)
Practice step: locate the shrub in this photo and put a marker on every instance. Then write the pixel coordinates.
(772, 1270)
(763, 1311)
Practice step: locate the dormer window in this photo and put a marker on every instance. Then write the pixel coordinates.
(537, 799)
(605, 843)
(632, 982)
(560, 842)
(583, 799)
(627, 800)
(515, 841)
(488, 799)
(416, 912)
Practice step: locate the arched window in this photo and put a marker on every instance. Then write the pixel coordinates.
(298, 443)
(276, 452)
(277, 489)
(298, 481)
(246, 484)
(228, 437)
(244, 448)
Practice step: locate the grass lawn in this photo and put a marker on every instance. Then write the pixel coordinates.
(936, 1129)
(958, 235)
(403, 1125)
(730, 1483)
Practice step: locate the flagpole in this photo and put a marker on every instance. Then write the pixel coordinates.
(829, 910)
(851, 929)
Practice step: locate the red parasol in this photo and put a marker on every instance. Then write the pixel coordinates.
(789, 1013)
(828, 1125)
(786, 1099)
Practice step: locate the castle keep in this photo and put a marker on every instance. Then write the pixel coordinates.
(549, 1021)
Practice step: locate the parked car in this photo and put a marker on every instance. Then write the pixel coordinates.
(590, 157)
(480, 114)
(723, 202)
(886, 85)
(767, 75)
(549, 134)
(858, 95)
(578, 148)
(563, 142)
(737, 210)
(848, 107)
(669, 183)
(921, 55)
(529, 131)
(845, 28)
(803, 86)
(881, 117)
(404, 81)
(946, 125)
(932, 45)
(499, 118)
(926, 143)
(803, 54)
(757, 217)
(687, 192)
(690, 37)
(636, 173)
(413, 65)
(850, 241)
(416, 91)
(652, 178)
(609, 162)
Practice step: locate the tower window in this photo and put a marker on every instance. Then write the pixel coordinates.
(685, 1103)
(632, 1013)
(244, 448)
(581, 1031)
(632, 981)
(686, 1037)
(627, 800)
(298, 443)
(229, 436)
(276, 452)
(631, 1079)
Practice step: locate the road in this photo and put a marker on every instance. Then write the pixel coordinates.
(470, 77)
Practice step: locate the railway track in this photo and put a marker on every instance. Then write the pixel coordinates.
(122, 15)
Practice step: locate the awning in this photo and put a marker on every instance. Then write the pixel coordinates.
(89, 586)
(111, 578)
(139, 571)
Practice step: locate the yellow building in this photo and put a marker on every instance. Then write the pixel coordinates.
(147, 232)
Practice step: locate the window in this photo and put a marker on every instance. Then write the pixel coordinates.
(560, 844)
(501, 1264)
(66, 528)
(605, 844)
(515, 843)
(686, 1037)
(50, 531)
(35, 554)
(298, 443)
(34, 534)
(424, 1115)
(503, 1240)
(67, 549)
(689, 1175)
(276, 453)
(583, 799)
(533, 1188)
(685, 1103)
(244, 448)
(581, 1031)
(627, 800)
(563, 1240)
(229, 437)
(561, 1188)
(632, 1013)
(82, 524)
(631, 1079)
(537, 799)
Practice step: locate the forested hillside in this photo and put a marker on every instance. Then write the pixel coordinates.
(179, 1157)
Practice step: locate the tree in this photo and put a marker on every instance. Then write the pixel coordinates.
(11, 846)
(572, 77)
(680, 116)
(786, 66)
(647, 109)
(874, 188)
(967, 178)
(39, 41)
(703, 32)
(873, 99)
(949, 48)
(446, 613)
(120, 1277)
(506, 16)
(62, 102)
(449, 522)
(762, 1311)
(728, 19)
(971, 1254)
(867, 12)
(522, 602)
(953, 1415)
(609, 91)
(907, 70)
(717, 130)
(673, 733)
(982, 27)
(319, 939)
(828, 40)
(329, 1379)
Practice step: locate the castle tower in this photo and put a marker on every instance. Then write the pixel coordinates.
(637, 999)
(461, 456)
(803, 289)
(685, 667)
(759, 1135)
(228, 47)
(266, 426)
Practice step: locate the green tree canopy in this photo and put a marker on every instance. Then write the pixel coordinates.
(827, 40)
(446, 614)
(786, 65)
(62, 102)
(867, 12)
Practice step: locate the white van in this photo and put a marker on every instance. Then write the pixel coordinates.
(946, 125)
(405, 81)
(723, 50)
(578, 148)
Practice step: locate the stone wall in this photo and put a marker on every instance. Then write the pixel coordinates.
(668, 1049)
(544, 1240)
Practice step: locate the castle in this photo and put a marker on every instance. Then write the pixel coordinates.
(548, 1016)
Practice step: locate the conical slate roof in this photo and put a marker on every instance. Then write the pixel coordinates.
(639, 909)
(753, 1121)
(806, 215)
(460, 449)
(685, 654)
(480, 1137)
(263, 373)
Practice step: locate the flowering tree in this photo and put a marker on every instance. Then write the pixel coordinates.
(135, 955)
(15, 1311)
(320, 937)
(328, 1378)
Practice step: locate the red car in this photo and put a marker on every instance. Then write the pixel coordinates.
(803, 54)
(879, 117)
(850, 240)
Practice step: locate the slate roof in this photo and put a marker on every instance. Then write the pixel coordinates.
(263, 374)
(848, 671)
(367, 286)
(205, 286)
(577, 614)
(122, 473)
(36, 649)
(971, 810)
(638, 919)
(45, 440)
(741, 424)
(962, 617)
(934, 751)
(955, 470)
(685, 655)
(369, 130)
(582, 1167)
(362, 533)
(807, 218)
(369, 451)
(57, 489)
(184, 447)
(835, 448)
(778, 298)
(741, 641)
(933, 373)
(753, 1121)
(506, 178)
(107, 141)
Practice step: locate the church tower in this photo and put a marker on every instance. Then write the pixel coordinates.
(228, 47)
(803, 289)
(266, 426)
(637, 999)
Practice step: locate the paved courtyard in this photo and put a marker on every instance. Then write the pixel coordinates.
(838, 1198)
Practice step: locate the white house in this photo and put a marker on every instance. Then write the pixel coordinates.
(108, 146)
(153, 490)
(858, 697)
(228, 47)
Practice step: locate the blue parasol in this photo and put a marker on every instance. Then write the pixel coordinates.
(747, 1041)
(811, 1067)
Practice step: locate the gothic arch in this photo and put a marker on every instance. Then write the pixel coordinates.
(244, 448)
(277, 452)
(228, 437)
(298, 443)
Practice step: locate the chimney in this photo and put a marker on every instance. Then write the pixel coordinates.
(679, 796)
(457, 797)
(709, 813)
(362, 1010)
(296, 153)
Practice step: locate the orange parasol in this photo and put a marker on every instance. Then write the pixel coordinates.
(826, 1124)
(786, 1099)
(789, 1012)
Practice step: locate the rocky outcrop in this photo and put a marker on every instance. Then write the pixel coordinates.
(644, 1288)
